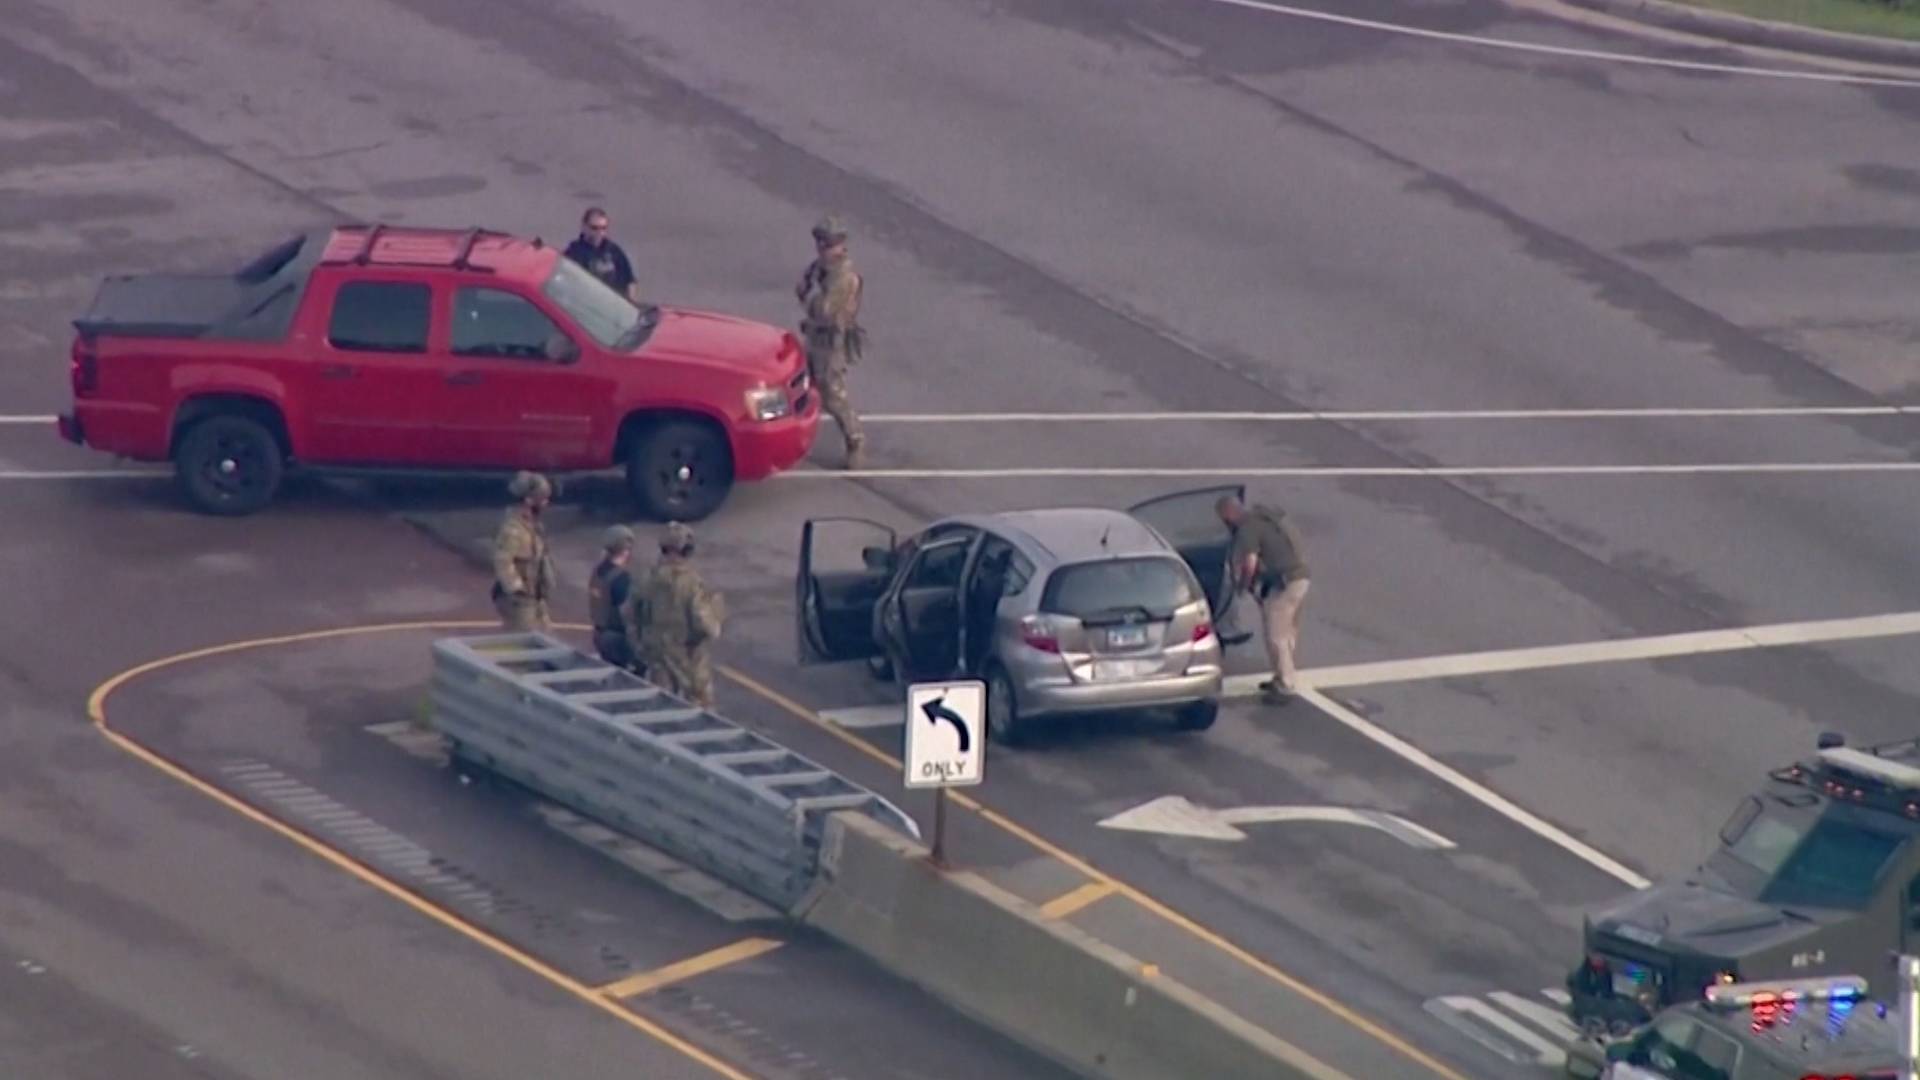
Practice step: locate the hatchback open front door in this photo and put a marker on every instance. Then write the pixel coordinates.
(845, 564)
(1189, 522)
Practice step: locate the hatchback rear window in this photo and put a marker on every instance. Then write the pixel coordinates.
(1089, 590)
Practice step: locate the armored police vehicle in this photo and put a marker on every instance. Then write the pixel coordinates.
(1817, 873)
(1795, 1029)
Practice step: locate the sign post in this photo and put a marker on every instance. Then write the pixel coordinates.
(1910, 1017)
(946, 745)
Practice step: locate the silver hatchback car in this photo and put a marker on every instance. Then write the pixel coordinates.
(1060, 612)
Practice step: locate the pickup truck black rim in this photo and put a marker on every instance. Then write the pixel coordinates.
(684, 475)
(235, 468)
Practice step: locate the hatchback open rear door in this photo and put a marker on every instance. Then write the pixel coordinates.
(1190, 523)
(845, 564)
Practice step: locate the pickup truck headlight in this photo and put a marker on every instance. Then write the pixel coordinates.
(767, 403)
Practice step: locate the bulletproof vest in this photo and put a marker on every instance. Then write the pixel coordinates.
(600, 607)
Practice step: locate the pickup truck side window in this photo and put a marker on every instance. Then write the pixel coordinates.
(381, 316)
(494, 322)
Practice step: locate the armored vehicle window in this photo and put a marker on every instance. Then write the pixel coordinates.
(1837, 865)
(1913, 905)
(1763, 840)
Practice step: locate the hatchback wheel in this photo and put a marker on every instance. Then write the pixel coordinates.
(680, 470)
(228, 465)
(1003, 710)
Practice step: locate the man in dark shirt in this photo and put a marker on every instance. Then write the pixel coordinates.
(1267, 562)
(604, 259)
(607, 592)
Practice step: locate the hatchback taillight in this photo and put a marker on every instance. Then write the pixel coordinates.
(1202, 632)
(1038, 635)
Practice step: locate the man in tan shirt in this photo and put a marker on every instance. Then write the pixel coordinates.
(1267, 563)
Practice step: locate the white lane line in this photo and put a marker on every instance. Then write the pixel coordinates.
(1300, 472)
(1340, 472)
(1473, 789)
(80, 474)
(1773, 635)
(1331, 415)
(1561, 50)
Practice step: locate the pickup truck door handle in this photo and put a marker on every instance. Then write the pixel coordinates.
(463, 378)
(336, 371)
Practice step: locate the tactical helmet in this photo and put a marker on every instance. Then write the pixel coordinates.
(617, 538)
(526, 484)
(830, 230)
(676, 537)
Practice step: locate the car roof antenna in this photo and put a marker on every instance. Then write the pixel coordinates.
(1104, 533)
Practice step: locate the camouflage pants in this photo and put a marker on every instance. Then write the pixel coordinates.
(521, 614)
(829, 373)
(685, 673)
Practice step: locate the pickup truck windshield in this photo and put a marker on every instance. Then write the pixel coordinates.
(605, 315)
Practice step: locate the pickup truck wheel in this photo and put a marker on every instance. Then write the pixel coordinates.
(228, 465)
(680, 471)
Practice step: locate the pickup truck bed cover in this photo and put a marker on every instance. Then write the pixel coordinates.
(256, 303)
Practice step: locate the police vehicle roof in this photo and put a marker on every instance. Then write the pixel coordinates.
(1841, 1037)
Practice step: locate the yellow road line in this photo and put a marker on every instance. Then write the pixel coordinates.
(635, 985)
(1083, 897)
(1145, 902)
(97, 713)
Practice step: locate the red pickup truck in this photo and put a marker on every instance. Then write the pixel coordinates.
(384, 348)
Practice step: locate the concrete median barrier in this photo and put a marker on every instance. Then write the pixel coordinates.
(1042, 982)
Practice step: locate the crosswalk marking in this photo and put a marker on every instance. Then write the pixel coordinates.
(1513, 1026)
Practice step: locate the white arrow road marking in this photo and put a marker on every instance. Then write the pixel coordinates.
(1174, 815)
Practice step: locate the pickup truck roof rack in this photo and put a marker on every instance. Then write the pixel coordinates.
(420, 247)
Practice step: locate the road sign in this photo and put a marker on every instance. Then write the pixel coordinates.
(946, 734)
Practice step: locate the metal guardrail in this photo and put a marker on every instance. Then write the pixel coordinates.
(608, 744)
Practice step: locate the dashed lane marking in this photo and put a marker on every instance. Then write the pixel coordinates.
(727, 955)
(1561, 50)
(1079, 899)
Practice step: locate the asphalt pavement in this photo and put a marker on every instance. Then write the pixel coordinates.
(1061, 207)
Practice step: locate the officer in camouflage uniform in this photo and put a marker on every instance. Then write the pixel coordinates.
(607, 592)
(523, 574)
(674, 619)
(830, 293)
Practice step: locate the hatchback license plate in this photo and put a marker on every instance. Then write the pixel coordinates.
(1122, 637)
